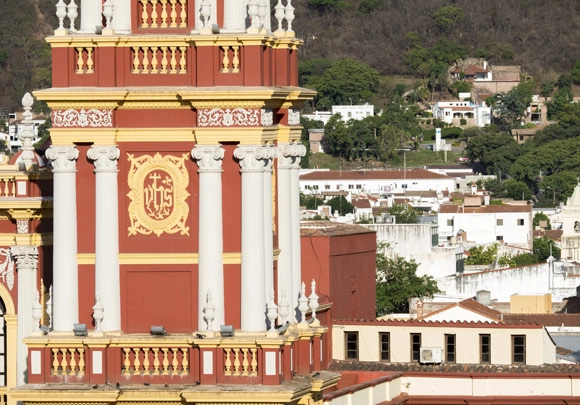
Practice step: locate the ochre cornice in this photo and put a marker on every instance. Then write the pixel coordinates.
(245, 136)
(155, 135)
(25, 239)
(160, 258)
(98, 136)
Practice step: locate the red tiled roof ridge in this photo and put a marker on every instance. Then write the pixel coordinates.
(426, 322)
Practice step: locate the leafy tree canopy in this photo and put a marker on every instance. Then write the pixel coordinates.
(347, 82)
(397, 282)
(404, 214)
(341, 205)
(540, 216)
(511, 106)
(492, 153)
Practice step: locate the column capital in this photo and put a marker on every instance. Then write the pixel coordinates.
(209, 158)
(254, 158)
(25, 256)
(104, 157)
(63, 158)
(289, 155)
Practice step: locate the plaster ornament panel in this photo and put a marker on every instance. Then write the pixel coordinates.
(82, 118)
(22, 226)
(6, 268)
(228, 117)
(158, 194)
(267, 117)
(293, 116)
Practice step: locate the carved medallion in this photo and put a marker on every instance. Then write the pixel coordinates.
(158, 194)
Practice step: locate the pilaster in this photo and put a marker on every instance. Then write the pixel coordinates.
(210, 268)
(107, 277)
(253, 306)
(65, 269)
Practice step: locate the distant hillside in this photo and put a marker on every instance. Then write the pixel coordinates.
(541, 36)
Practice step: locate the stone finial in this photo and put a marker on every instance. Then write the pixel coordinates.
(303, 304)
(36, 314)
(283, 308)
(289, 14)
(279, 15)
(209, 311)
(98, 312)
(272, 312)
(313, 302)
(72, 14)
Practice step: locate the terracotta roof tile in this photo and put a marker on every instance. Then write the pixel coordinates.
(410, 174)
(485, 209)
(567, 320)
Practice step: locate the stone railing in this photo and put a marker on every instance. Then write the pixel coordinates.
(268, 358)
(174, 16)
(7, 186)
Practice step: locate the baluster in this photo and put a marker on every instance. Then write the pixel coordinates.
(144, 15)
(155, 360)
(174, 361)
(183, 60)
(183, 14)
(81, 361)
(12, 188)
(236, 60)
(173, 60)
(146, 363)
(236, 361)
(163, 13)
(154, 61)
(3, 186)
(165, 362)
(184, 361)
(126, 363)
(164, 60)
(173, 14)
(90, 63)
(64, 363)
(80, 60)
(245, 362)
(154, 16)
(228, 362)
(254, 362)
(137, 361)
(226, 60)
(136, 59)
(55, 361)
(146, 60)
(73, 362)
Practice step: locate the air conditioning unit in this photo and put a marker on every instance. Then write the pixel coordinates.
(431, 355)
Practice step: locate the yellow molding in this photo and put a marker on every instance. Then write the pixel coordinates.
(243, 135)
(53, 396)
(160, 258)
(155, 135)
(25, 239)
(98, 136)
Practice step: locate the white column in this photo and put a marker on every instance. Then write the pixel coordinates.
(107, 273)
(270, 153)
(234, 16)
(285, 225)
(65, 283)
(26, 264)
(210, 266)
(91, 15)
(122, 16)
(253, 305)
(299, 151)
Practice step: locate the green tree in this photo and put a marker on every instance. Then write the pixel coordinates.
(492, 153)
(447, 18)
(544, 247)
(540, 216)
(347, 82)
(482, 255)
(305, 138)
(341, 205)
(575, 73)
(404, 214)
(511, 106)
(336, 140)
(397, 282)
(327, 5)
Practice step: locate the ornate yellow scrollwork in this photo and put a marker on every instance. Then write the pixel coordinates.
(158, 194)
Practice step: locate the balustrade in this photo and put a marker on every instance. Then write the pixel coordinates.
(84, 60)
(231, 59)
(240, 361)
(159, 60)
(68, 361)
(155, 361)
(7, 187)
(163, 13)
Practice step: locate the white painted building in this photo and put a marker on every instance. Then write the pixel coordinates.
(571, 227)
(347, 112)
(484, 224)
(373, 182)
(452, 112)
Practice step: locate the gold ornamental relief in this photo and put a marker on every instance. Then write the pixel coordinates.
(158, 194)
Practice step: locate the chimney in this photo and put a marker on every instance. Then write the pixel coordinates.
(419, 309)
(483, 297)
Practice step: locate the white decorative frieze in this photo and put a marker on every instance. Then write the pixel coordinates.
(267, 117)
(228, 117)
(293, 116)
(6, 268)
(92, 118)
